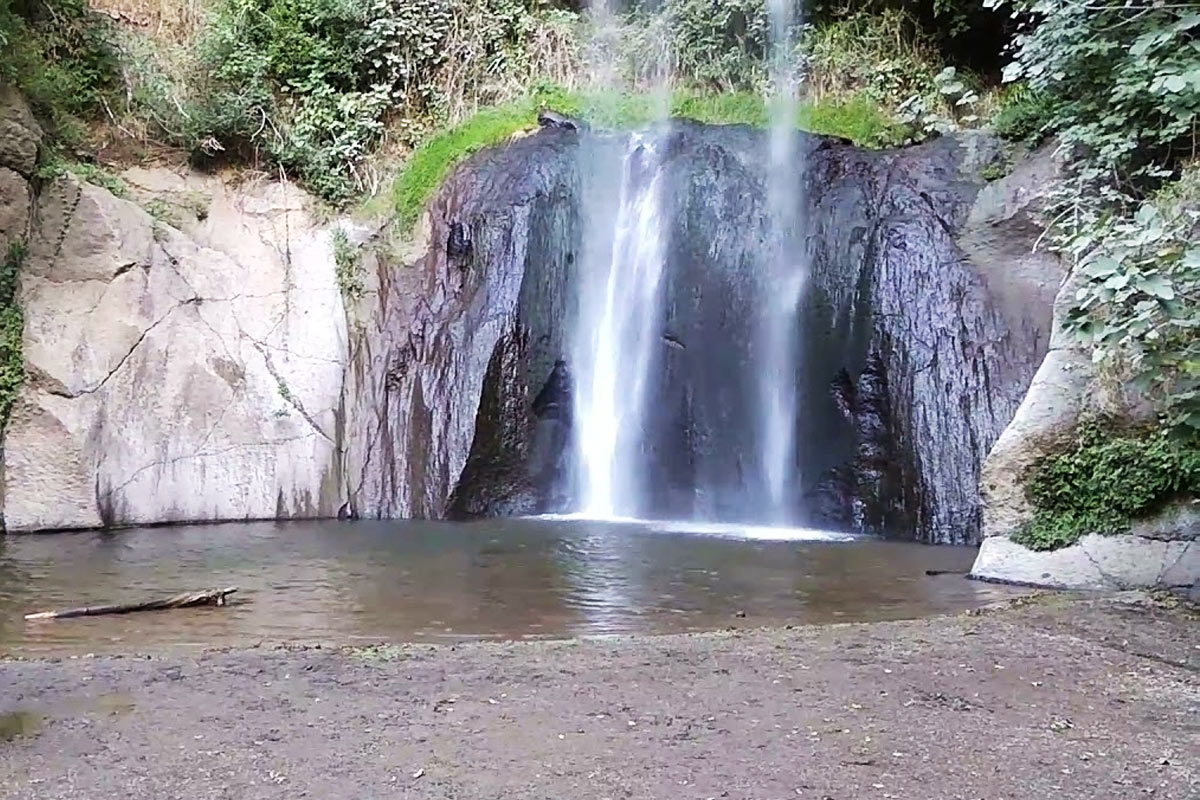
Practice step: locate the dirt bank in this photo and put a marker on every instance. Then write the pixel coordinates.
(1055, 698)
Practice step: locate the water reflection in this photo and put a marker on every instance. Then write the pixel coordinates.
(445, 581)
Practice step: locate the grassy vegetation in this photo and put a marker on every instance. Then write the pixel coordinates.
(856, 118)
(1106, 479)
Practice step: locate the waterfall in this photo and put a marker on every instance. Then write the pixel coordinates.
(620, 316)
(785, 277)
(617, 347)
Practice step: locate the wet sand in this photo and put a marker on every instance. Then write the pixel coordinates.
(1055, 697)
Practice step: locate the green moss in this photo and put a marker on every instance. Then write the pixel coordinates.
(1105, 479)
(12, 322)
(994, 171)
(347, 266)
(432, 161)
(856, 118)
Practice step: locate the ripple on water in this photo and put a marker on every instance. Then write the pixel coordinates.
(437, 581)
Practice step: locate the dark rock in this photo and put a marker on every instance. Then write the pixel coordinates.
(909, 362)
(552, 119)
(554, 400)
(458, 244)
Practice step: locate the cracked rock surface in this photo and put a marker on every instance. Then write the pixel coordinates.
(175, 376)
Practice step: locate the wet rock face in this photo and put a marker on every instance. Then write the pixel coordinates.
(921, 329)
(914, 350)
(457, 343)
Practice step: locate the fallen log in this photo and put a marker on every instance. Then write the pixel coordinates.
(201, 598)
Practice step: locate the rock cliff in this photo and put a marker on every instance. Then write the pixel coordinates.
(170, 376)
(920, 337)
(200, 363)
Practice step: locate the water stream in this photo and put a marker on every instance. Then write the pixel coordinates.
(785, 276)
(621, 314)
(437, 581)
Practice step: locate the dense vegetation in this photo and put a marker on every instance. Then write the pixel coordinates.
(1106, 478)
(12, 365)
(336, 92)
(1118, 84)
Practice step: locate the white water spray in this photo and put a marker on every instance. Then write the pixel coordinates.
(786, 274)
(621, 313)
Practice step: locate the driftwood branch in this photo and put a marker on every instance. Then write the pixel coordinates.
(201, 598)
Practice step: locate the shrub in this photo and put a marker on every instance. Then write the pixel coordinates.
(347, 266)
(12, 322)
(313, 84)
(1105, 479)
(1119, 85)
(1022, 115)
(59, 54)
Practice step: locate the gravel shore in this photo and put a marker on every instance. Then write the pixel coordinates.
(1054, 697)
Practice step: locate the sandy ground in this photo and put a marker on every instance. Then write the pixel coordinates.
(1053, 698)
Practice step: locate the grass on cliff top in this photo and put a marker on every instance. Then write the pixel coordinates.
(857, 118)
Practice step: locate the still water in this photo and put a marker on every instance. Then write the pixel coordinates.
(438, 581)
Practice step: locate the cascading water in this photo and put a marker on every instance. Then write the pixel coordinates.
(785, 276)
(618, 344)
(621, 313)
(620, 306)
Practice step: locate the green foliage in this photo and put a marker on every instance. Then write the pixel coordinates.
(1122, 81)
(12, 323)
(347, 266)
(312, 85)
(1023, 114)
(52, 164)
(1106, 479)
(59, 54)
(160, 210)
(1139, 299)
(719, 45)
(885, 57)
(1119, 85)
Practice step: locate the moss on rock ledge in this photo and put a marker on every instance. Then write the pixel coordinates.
(1105, 479)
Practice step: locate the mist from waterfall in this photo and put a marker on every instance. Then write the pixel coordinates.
(785, 276)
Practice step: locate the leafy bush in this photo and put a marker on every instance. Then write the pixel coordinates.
(12, 322)
(347, 266)
(1106, 479)
(1140, 297)
(1119, 85)
(719, 45)
(59, 54)
(1022, 115)
(315, 87)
